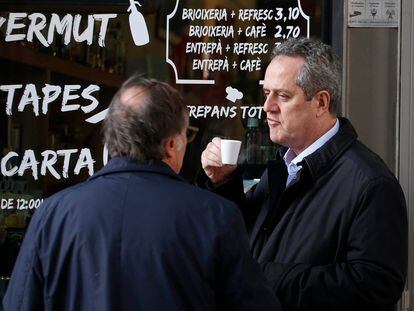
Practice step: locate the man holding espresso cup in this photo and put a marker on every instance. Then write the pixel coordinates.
(327, 221)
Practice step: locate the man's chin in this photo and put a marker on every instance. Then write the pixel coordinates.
(276, 139)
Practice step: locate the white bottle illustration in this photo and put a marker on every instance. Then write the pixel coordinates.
(137, 24)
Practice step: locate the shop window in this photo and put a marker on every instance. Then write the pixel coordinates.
(62, 61)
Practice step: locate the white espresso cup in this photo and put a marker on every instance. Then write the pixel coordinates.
(230, 151)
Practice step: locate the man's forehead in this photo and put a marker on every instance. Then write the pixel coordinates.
(134, 96)
(289, 58)
(287, 64)
(284, 69)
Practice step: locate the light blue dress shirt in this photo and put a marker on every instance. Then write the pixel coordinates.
(291, 159)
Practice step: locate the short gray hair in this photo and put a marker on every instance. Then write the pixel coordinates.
(139, 131)
(321, 70)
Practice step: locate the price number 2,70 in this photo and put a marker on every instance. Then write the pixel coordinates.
(291, 31)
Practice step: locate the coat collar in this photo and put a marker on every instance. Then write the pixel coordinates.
(323, 158)
(123, 164)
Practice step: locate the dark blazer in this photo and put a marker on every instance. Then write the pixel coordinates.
(336, 238)
(137, 237)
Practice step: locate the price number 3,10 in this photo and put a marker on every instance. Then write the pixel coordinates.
(293, 14)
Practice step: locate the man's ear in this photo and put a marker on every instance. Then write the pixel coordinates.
(173, 144)
(323, 102)
(179, 144)
(169, 147)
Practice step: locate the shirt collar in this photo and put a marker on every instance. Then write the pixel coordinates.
(290, 157)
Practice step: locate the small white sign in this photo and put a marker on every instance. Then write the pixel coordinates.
(373, 13)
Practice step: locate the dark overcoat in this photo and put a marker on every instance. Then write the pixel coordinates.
(336, 238)
(137, 237)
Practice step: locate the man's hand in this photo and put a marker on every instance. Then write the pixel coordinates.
(211, 162)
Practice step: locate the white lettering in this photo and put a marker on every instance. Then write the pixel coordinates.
(251, 64)
(50, 94)
(66, 154)
(66, 26)
(30, 97)
(104, 18)
(250, 48)
(255, 14)
(211, 64)
(2, 20)
(256, 31)
(49, 159)
(204, 14)
(203, 47)
(67, 96)
(60, 25)
(48, 163)
(252, 112)
(87, 95)
(36, 28)
(29, 161)
(10, 89)
(87, 34)
(211, 31)
(7, 203)
(85, 160)
(13, 25)
(212, 111)
(6, 158)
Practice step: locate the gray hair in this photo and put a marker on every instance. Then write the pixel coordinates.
(139, 131)
(321, 70)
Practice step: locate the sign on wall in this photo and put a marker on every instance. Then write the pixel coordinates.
(373, 13)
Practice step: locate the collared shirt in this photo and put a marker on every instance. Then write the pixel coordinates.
(291, 159)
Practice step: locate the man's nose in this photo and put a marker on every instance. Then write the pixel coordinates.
(270, 105)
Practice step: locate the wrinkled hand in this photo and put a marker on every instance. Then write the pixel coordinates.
(211, 162)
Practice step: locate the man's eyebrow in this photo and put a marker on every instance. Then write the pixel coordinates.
(276, 90)
(266, 88)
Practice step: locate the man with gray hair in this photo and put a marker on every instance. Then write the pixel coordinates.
(135, 236)
(327, 221)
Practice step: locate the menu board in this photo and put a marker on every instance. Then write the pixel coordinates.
(218, 37)
(62, 65)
